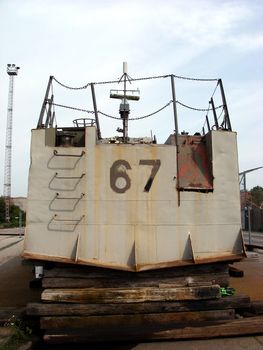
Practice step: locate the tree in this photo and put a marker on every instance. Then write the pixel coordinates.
(257, 195)
(2, 210)
(14, 214)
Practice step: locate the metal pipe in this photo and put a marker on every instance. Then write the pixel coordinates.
(248, 209)
(52, 119)
(42, 112)
(225, 105)
(214, 113)
(125, 114)
(95, 110)
(174, 105)
(176, 138)
(249, 224)
(48, 118)
(207, 122)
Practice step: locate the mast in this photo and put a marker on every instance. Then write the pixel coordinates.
(125, 95)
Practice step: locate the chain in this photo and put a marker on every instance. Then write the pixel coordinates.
(70, 87)
(150, 78)
(194, 79)
(138, 118)
(149, 115)
(132, 79)
(108, 115)
(218, 118)
(197, 109)
(106, 82)
(74, 108)
(220, 115)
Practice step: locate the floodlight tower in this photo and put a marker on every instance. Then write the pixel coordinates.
(12, 70)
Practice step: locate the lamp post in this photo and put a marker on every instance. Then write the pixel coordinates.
(12, 71)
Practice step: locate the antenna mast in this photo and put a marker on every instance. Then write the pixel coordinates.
(12, 70)
(125, 95)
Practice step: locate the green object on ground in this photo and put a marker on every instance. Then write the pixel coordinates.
(227, 291)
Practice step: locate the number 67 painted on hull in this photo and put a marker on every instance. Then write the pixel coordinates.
(118, 171)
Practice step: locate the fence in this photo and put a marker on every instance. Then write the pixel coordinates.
(256, 219)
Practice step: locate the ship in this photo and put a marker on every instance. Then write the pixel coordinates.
(131, 226)
(131, 203)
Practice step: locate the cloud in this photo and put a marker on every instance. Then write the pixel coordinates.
(85, 41)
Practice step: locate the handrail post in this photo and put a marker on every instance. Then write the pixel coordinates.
(227, 119)
(174, 105)
(42, 112)
(214, 113)
(95, 110)
(176, 137)
(49, 115)
(207, 122)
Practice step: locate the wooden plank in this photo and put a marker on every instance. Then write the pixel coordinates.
(237, 327)
(135, 295)
(257, 307)
(60, 309)
(96, 272)
(62, 282)
(123, 322)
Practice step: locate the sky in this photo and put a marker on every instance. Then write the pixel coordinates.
(85, 41)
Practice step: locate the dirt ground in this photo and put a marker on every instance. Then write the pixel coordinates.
(14, 287)
(14, 276)
(252, 282)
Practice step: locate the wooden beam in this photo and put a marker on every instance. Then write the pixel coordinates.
(238, 327)
(96, 272)
(135, 295)
(72, 282)
(61, 309)
(257, 307)
(145, 321)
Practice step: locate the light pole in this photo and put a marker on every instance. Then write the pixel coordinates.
(12, 71)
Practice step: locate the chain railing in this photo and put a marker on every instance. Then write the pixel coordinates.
(141, 117)
(211, 106)
(133, 79)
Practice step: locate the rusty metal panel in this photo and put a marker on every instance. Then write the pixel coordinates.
(194, 162)
(116, 205)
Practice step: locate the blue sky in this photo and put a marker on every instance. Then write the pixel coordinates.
(82, 41)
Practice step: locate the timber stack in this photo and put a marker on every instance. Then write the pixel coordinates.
(85, 304)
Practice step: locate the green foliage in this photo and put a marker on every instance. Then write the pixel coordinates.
(257, 195)
(2, 209)
(14, 215)
(22, 333)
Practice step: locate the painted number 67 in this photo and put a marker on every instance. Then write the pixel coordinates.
(120, 181)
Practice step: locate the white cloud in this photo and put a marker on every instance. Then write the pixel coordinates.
(85, 41)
